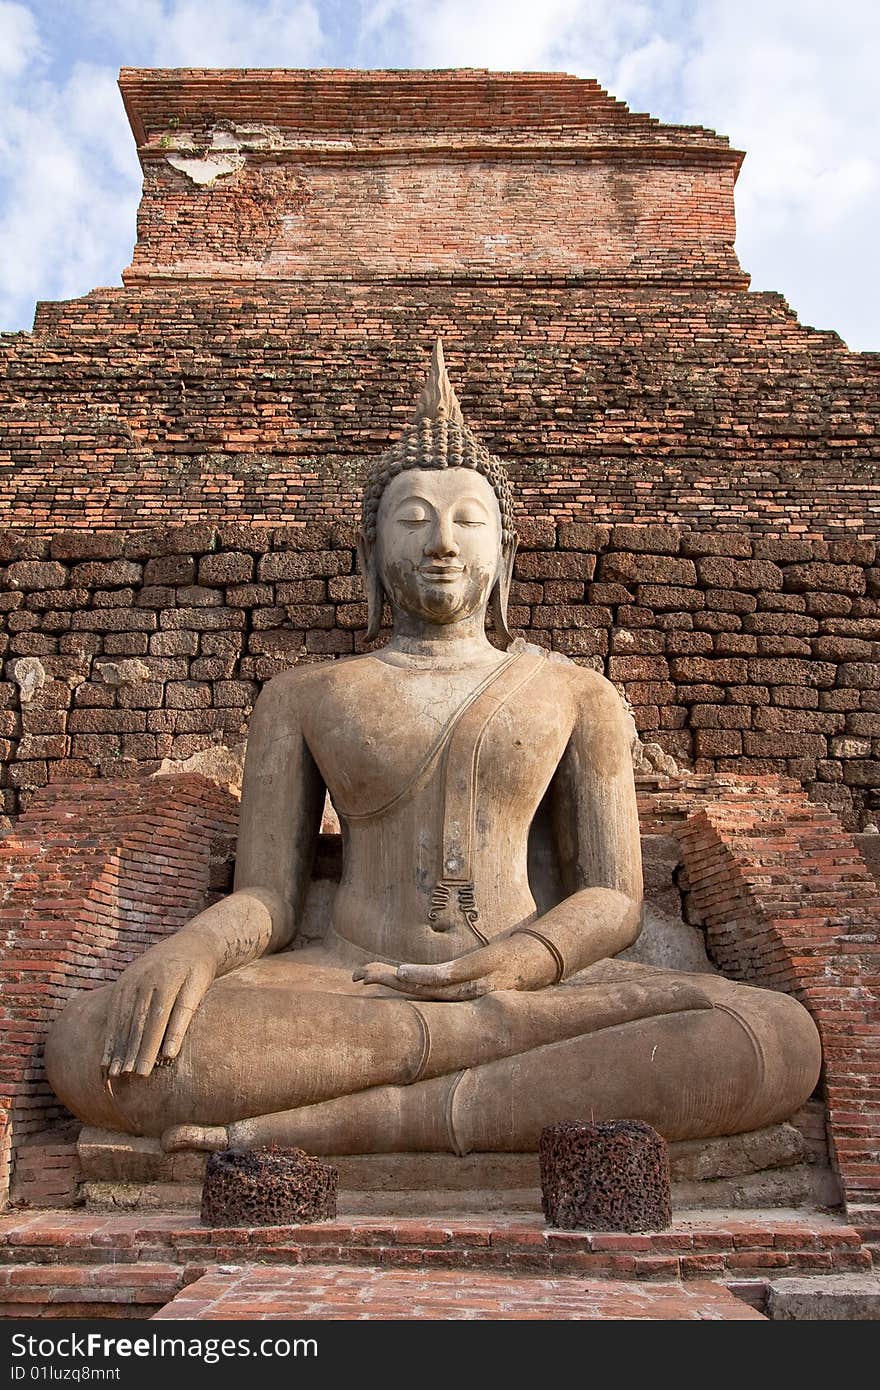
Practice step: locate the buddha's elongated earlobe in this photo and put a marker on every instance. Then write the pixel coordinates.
(372, 583)
(501, 591)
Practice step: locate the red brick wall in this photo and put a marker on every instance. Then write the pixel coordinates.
(787, 902)
(739, 654)
(681, 403)
(93, 874)
(293, 220)
(341, 175)
(577, 260)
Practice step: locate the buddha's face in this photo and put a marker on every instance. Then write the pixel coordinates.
(438, 542)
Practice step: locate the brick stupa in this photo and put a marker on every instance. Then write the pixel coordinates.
(180, 464)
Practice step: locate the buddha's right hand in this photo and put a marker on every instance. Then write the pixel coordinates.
(153, 1002)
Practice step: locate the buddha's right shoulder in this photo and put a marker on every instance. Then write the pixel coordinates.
(302, 685)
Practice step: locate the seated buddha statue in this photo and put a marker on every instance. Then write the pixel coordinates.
(465, 991)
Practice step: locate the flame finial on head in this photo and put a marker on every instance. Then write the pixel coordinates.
(438, 400)
(436, 437)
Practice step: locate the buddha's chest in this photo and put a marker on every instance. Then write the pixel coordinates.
(383, 733)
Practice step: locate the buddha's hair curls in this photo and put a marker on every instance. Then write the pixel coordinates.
(436, 444)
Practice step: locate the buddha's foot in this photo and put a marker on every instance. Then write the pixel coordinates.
(207, 1138)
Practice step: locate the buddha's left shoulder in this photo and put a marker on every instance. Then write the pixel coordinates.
(586, 686)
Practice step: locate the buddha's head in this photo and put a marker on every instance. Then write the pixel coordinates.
(437, 535)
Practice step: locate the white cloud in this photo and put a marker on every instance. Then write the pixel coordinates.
(790, 81)
(69, 175)
(71, 181)
(793, 84)
(19, 39)
(211, 33)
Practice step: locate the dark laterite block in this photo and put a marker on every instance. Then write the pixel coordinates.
(267, 1187)
(605, 1177)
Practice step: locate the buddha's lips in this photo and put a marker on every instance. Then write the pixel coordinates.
(442, 572)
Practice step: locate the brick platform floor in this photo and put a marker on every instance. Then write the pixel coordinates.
(698, 1245)
(334, 1292)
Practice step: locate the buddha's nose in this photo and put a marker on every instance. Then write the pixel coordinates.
(442, 541)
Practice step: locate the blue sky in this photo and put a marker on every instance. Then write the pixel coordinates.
(793, 82)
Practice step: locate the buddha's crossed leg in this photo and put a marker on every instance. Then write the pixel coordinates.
(348, 1072)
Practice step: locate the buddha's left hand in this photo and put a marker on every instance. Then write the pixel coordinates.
(512, 962)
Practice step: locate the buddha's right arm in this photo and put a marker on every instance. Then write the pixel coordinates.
(155, 999)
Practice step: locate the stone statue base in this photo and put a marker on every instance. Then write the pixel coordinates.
(762, 1169)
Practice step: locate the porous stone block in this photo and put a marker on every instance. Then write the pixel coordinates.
(834, 1297)
(605, 1177)
(267, 1187)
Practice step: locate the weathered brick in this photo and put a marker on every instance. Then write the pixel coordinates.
(655, 540)
(92, 573)
(665, 597)
(115, 620)
(584, 641)
(840, 579)
(187, 695)
(780, 624)
(638, 668)
(783, 646)
(170, 569)
(330, 641)
(173, 644)
(780, 745)
(788, 720)
(862, 772)
(720, 717)
(580, 535)
(230, 693)
(226, 567)
(845, 649)
(717, 743)
(203, 619)
(245, 535)
(739, 574)
(797, 697)
(791, 671)
(864, 675)
(687, 643)
(730, 601)
(717, 622)
(199, 596)
(542, 564)
(630, 567)
(732, 543)
(570, 615)
(735, 644)
(35, 574)
(827, 605)
(702, 668)
(641, 642)
(170, 540)
(303, 564)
